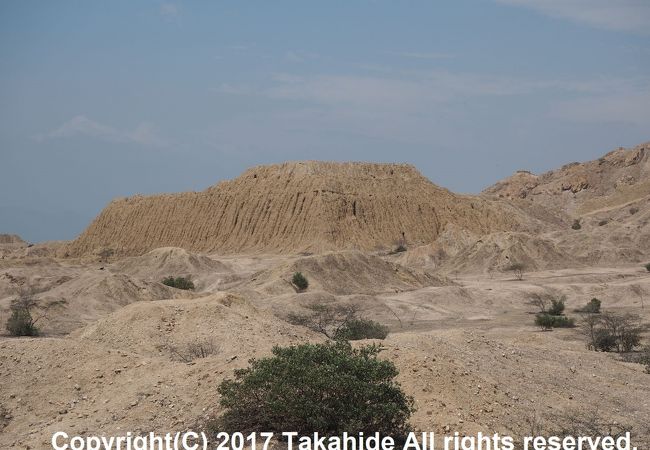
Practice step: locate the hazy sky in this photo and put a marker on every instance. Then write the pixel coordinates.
(106, 99)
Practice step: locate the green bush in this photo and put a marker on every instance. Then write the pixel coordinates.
(647, 267)
(605, 341)
(576, 224)
(300, 281)
(21, 323)
(610, 332)
(593, 307)
(179, 283)
(548, 321)
(327, 388)
(557, 307)
(357, 329)
(544, 321)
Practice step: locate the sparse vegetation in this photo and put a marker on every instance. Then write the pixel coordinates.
(589, 423)
(551, 312)
(645, 359)
(26, 311)
(647, 267)
(299, 281)
(328, 388)
(518, 269)
(357, 329)
(179, 283)
(21, 323)
(576, 224)
(549, 321)
(548, 303)
(191, 350)
(540, 301)
(593, 307)
(634, 210)
(612, 332)
(603, 222)
(339, 322)
(399, 249)
(557, 307)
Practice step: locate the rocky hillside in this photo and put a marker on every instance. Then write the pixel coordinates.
(299, 206)
(618, 179)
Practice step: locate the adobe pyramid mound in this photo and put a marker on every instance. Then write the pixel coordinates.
(298, 206)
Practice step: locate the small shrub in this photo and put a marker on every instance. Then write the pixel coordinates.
(339, 322)
(634, 210)
(544, 321)
(399, 249)
(357, 329)
(588, 421)
(518, 269)
(299, 281)
(557, 307)
(326, 388)
(612, 332)
(605, 341)
(576, 224)
(179, 283)
(645, 358)
(26, 311)
(647, 267)
(593, 307)
(540, 301)
(603, 222)
(191, 350)
(548, 321)
(21, 323)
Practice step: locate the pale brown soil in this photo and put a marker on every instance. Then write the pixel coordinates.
(462, 333)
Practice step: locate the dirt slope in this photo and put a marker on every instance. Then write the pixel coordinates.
(343, 273)
(89, 295)
(299, 206)
(11, 239)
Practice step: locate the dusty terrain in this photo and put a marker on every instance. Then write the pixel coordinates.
(462, 333)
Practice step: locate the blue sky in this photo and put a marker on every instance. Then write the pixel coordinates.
(106, 99)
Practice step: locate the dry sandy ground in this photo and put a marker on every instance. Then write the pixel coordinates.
(466, 347)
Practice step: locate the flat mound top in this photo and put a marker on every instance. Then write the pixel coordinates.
(328, 169)
(291, 207)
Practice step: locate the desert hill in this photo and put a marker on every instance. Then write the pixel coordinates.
(619, 178)
(298, 206)
(344, 273)
(11, 239)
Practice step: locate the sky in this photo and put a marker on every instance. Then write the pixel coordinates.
(100, 100)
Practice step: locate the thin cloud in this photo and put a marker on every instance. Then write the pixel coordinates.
(632, 108)
(619, 15)
(358, 98)
(169, 10)
(300, 56)
(81, 126)
(425, 55)
(415, 89)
